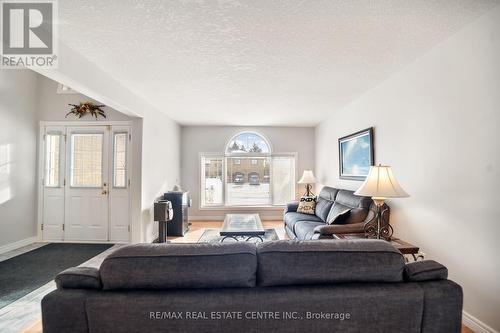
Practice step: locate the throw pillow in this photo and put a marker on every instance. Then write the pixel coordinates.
(341, 217)
(307, 205)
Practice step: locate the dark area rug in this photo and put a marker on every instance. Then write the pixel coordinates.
(212, 236)
(24, 273)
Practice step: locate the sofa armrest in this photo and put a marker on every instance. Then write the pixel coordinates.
(426, 270)
(79, 278)
(291, 207)
(330, 229)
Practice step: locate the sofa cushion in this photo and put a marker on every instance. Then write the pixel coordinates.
(346, 199)
(305, 229)
(325, 201)
(292, 218)
(326, 262)
(164, 266)
(426, 270)
(338, 215)
(328, 193)
(79, 278)
(323, 207)
(291, 207)
(360, 308)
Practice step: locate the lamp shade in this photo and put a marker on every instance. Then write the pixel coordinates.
(307, 177)
(381, 183)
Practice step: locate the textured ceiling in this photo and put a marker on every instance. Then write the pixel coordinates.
(257, 62)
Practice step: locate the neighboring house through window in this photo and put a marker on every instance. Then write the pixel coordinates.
(248, 173)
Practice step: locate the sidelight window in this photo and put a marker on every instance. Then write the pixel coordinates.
(120, 160)
(52, 160)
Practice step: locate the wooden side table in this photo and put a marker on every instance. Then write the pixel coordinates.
(401, 245)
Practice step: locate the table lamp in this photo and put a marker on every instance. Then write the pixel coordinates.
(308, 179)
(379, 185)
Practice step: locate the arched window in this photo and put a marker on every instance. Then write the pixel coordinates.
(248, 143)
(247, 173)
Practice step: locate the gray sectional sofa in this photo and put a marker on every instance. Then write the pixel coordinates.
(280, 286)
(330, 202)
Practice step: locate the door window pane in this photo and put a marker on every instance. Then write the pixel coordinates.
(120, 160)
(283, 179)
(212, 186)
(248, 183)
(52, 160)
(86, 160)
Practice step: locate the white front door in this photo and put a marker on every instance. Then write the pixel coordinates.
(86, 197)
(86, 183)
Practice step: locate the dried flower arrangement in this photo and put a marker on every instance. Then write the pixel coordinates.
(84, 108)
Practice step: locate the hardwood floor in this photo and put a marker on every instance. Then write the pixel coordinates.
(195, 232)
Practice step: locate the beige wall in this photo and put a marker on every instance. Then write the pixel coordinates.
(160, 164)
(213, 139)
(18, 133)
(437, 123)
(54, 107)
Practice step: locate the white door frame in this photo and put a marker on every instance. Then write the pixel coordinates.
(41, 167)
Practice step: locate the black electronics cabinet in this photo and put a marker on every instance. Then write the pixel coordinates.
(181, 201)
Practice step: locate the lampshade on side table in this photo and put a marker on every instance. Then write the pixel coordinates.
(308, 179)
(379, 185)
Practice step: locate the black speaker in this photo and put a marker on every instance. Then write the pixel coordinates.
(163, 211)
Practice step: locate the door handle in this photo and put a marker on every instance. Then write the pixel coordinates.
(104, 192)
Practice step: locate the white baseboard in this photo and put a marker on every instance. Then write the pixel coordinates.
(18, 244)
(475, 324)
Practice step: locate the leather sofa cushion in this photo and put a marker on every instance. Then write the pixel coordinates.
(323, 207)
(325, 201)
(328, 193)
(326, 262)
(292, 218)
(346, 199)
(305, 229)
(165, 266)
(291, 207)
(338, 214)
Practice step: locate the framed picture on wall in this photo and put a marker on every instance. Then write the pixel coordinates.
(356, 155)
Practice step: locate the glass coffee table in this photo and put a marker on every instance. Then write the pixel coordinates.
(242, 227)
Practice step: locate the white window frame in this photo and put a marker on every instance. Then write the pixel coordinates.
(113, 171)
(224, 156)
(201, 181)
(60, 181)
